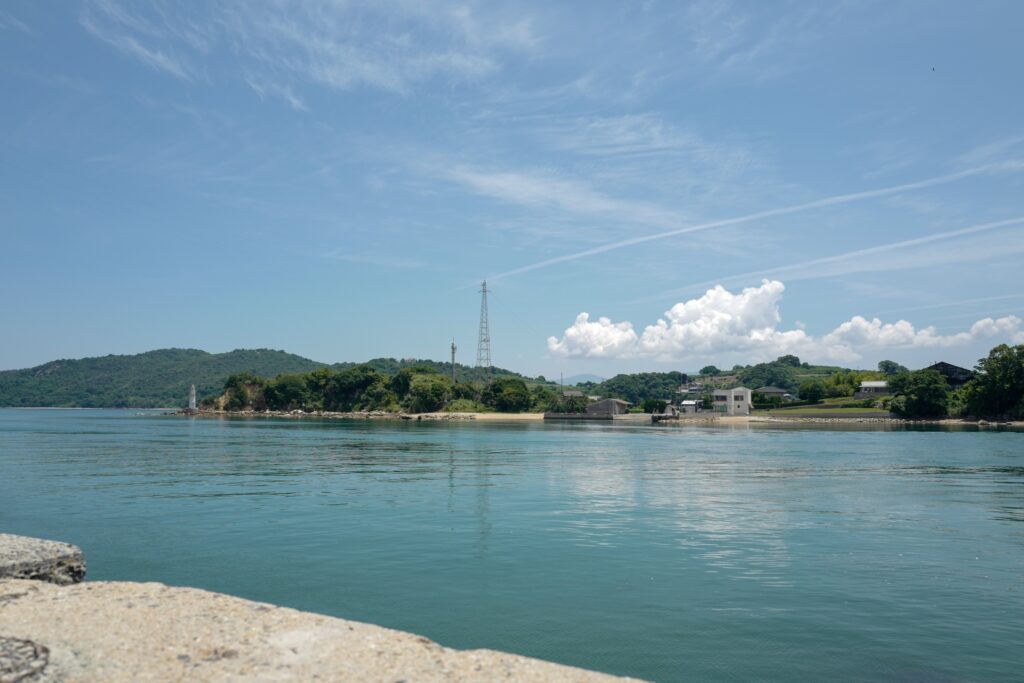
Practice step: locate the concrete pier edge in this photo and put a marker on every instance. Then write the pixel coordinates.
(124, 631)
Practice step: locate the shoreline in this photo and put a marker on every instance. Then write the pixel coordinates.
(698, 419)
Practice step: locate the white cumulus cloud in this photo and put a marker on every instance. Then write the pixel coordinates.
(595, 339)
(722, 322)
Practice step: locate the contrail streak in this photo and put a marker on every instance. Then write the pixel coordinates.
(951, 304)
(881, 248)
(797, 208)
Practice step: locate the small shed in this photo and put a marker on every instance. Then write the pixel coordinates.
(572, 393)
(869, 388)
(609, 406)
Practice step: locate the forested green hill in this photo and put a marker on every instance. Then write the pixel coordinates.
(153, 379)
(161, 379)
(463, 373)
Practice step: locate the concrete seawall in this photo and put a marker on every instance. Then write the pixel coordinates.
(22, 557)
(122, 631)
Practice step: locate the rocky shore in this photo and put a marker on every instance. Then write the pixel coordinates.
(367, 415)
(121, 632)
(699, 418)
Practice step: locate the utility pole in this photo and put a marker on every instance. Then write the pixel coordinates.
(453, 361)
(483, 344)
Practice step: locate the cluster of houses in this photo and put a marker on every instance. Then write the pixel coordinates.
(739, 400)
(955, 376)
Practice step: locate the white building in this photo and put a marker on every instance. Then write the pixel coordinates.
(870, 388)
(736, 401)
(689, 407)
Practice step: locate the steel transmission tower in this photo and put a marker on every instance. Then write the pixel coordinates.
(483, 344)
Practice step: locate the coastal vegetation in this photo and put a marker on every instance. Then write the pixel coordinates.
(161, 378)
(147, 380)
(995, 391)
(997, 387)
(638, 387)
(416, 389)
(265, 379)
(919, 394)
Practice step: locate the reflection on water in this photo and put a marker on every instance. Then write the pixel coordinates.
(671, 553)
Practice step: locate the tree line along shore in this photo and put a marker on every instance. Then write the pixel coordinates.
(995, 392)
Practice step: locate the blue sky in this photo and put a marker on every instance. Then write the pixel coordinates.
(645, 185)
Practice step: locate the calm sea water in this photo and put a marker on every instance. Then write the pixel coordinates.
(664, 553)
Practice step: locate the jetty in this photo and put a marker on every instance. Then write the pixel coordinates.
(56, 627)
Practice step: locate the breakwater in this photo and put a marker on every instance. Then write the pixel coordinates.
(54, 628)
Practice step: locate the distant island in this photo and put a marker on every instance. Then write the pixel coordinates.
(270, 380)
(162, 378)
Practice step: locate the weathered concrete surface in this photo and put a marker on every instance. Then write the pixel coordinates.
(22, 557)
(115, 631)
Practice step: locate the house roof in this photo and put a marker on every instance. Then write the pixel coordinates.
(572, 392)
(874, 384)
(688, 403)
(951, 371)
(616, 400)
(770, 390)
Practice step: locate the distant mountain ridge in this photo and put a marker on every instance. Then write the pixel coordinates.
(580, 379)
(161, 378)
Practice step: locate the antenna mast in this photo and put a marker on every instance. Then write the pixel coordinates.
(453, 361)
(483, 345)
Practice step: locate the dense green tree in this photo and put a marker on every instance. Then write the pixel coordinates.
(428, 392)
(346, 390)
(543, 399)
(890, 368)
(923, 393)
(377, 396)
(467, 391)
(286, 392)
(710, 370)
(401, 382)
(464, 405)
(789, 359)
(464, 373)
(997, 389)
(241, 389)
(237, 398)
(569, 404)
(637, 387)
(812, 390)
(507, 395)
(317, 383)
(653, 405)
(769, 374)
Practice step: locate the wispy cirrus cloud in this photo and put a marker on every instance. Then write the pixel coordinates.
(754, 44)
(9, 22)
(277, 49)
(540, 189)
(134, 36)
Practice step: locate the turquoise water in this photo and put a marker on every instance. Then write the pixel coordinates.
(659, 552)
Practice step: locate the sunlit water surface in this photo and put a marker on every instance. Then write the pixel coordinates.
(664, 553)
